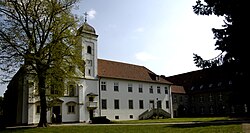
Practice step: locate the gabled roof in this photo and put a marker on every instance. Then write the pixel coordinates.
(178, 89)
(119, 70)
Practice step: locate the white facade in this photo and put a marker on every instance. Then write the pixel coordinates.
(94, 95)
(148, 99)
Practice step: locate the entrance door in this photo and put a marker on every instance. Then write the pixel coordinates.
(91, 114)
(159, 104)
(151, 104)
(56, 113)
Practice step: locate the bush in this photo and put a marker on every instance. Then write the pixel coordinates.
(100, 120)
(2, 124)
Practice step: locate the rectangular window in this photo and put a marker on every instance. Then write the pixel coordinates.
(140, 88)
(158, 89)
(141, 104)
(210, 97)
(175, 99)
(181, 99)
(53, 90)
(131, 116)
(71, 109)
(130, 104)
(167, 104)
(166, 90)
(151, 89)
(220, 97)
(201, 99)
(103, 86)
(116, 104)
(130, 88)
(71, 90)
(38, 109)
(116, 86)
(116, 117)
(104, 103)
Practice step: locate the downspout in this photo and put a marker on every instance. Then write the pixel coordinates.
(99, 96)
(170, 101)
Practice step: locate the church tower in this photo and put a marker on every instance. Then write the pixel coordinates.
(89, 49)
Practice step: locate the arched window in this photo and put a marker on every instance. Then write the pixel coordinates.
(89, 49)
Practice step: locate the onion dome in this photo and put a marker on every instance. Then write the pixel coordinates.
(86, 28)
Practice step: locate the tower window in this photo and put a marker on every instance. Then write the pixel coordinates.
(71, 90)
(89, 49)
(89, 72)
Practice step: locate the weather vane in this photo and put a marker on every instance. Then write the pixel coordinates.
(86, 15)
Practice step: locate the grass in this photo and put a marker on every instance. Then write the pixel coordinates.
(176, 120)
(128, 127)
(234, 128)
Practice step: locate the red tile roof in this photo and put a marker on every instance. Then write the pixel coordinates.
(178, 89)
(119, 70)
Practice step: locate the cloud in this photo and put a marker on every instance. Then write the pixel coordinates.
(91, 14)
(143, 56)
(140, 29)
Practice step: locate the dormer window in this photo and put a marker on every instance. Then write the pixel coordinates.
(210, 85)
(201, 86)
(89, 50)
(192, 88)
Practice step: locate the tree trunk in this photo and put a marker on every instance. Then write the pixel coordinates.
(43, 102)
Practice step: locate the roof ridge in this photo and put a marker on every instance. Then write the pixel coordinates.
(121, 62)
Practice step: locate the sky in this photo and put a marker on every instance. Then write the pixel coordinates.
(161, 35)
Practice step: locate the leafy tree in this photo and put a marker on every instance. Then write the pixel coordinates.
(40, 36)
(231, 39)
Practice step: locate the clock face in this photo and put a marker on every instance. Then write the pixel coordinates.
(89, 62)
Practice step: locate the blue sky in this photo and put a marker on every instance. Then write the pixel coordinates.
(161, 35)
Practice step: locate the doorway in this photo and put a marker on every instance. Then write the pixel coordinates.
(91, 114)
(56, 114)
(151, 104)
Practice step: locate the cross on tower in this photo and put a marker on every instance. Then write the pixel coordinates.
(86, 15)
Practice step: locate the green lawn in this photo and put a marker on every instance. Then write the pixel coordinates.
(133, 129)
(174, 120)
(146, 128)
